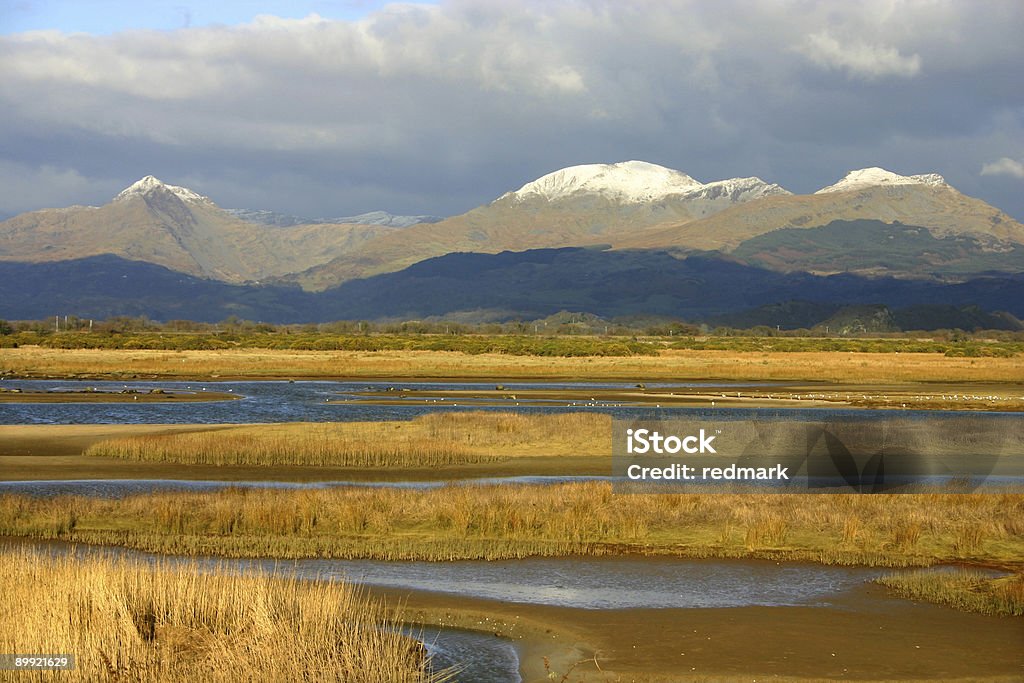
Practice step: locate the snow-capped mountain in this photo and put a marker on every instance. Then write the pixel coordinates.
(574, 206)
(635, 204)
(180, 229)
(873, 194)
(625, 205)
(879, 177)
(636, 182)
(628, 182)
(150, 185)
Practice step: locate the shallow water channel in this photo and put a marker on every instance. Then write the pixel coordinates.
(324, 401)
(581, 583)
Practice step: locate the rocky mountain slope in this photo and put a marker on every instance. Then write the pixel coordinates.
(175, 227)
(575, 206)
(868, 194)
(872, 222)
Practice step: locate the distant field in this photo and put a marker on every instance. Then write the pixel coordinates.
(668, 364)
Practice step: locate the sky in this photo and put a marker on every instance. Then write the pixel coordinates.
(336, 108)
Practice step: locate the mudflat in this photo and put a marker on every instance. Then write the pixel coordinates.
(864, 636)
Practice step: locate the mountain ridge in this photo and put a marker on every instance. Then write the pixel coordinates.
(627, 205)
(587, 205)
(179, 228)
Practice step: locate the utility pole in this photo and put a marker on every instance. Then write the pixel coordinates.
(56, 323)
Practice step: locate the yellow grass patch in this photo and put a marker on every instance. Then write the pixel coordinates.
(436, 439)
(490, 522)
(132, 621)
(668, 365)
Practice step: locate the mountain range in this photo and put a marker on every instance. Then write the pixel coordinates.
(902, 238)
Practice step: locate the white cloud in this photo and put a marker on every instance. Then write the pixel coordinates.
(1004, 166)
(455, 103)
(859, 59)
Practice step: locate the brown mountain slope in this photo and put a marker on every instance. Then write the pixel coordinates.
(576, 206)
(940, 208)
(178, 229)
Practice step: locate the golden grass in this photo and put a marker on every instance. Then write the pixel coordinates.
(968, 590)
(132, 621)
(669, 365)
(433, 440)
(491, 522)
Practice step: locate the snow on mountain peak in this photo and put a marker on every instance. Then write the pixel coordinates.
(879, 177)
(626, 181)
(150, 184)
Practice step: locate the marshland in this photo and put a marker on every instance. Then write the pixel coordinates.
(947, 562)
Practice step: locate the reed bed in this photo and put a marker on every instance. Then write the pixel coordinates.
(131, 621)
(492, 522)
(963, 589)
(671, 364)
(433, 440)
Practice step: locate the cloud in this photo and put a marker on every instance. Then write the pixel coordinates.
(1004, 166)
(439, 108)
(858, 59)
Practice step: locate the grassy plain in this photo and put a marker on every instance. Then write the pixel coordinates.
(134, 621)
(496, 522)
(667, 364)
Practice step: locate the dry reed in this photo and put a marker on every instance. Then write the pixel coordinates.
(474, 522)
(432, 440)
(132, 621)
(968, 590)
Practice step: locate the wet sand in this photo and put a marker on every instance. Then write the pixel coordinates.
(866, 636)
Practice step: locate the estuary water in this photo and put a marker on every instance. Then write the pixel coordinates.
(330, 401)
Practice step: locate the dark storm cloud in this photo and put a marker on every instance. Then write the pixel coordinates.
(425, 109)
